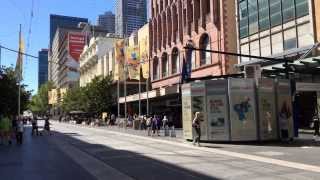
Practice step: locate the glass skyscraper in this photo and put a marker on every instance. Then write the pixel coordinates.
(42, 67)
(130, 16)
(63, 22)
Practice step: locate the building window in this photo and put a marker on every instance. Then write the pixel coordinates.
(175, 61)
(243, 23)
(264, 15)
(253, 16)
(155, 68)
(288, 10)
(245, 51)
(165, 64)
(305, 37)
(277, 43)
(205, 57)
(255, 48)
(193, 59)
(265, 47)
(275, 12)
(302, 8)
(290, 39)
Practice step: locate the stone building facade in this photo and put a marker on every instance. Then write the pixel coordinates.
(203, 24)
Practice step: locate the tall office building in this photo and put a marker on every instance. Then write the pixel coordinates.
(130, 16)
(63, 22)
(107, 20)
(42, 67)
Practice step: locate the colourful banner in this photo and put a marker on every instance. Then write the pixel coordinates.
(118, 72)
(143, 40)
(119, 51)
(76, 45)
(133, 62)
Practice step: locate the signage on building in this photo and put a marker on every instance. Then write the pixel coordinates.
(76, 45)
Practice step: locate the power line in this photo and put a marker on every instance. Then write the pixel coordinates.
(12, 50)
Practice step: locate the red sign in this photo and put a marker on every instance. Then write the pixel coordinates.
(76, 45)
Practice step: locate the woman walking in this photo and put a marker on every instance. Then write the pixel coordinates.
(196, 129)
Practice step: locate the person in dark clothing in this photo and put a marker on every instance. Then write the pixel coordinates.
(47, 125)
(34, 124)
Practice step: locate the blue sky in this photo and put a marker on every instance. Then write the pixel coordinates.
(15, 12)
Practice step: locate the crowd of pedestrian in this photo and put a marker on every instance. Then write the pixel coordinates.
(12, 128)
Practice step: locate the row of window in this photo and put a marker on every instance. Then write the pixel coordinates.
(260, 15)
(296, 37)
(205, 59)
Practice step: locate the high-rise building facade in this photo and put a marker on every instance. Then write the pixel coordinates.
(42, 67)
(107, 21)
(64, 65)
(57, 21)
(130, 16)
(276, 28)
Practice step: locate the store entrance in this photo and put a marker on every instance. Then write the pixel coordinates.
(305, 108)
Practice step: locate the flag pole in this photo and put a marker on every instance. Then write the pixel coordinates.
(20, 72)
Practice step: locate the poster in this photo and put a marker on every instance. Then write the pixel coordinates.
(76, 45)
(242, 110)
(186, 111)
(217, 110)
(198, 104)
(267, 110)
(284, 109)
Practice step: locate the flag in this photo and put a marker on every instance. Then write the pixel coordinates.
(133, 62)
(19, 63)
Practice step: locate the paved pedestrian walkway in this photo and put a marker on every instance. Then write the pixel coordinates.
(38, 159)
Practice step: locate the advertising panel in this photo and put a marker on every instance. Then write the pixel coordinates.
(76, 45)
(186, 111)
(198, 104)
(143, 40)
(284, 109)
(242, 110)
(267, 110)
(217, 110)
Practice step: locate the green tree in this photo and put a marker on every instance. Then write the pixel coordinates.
(40, 101)
(97, 97)
(9, 93)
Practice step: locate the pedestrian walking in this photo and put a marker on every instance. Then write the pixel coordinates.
(19, 133)
(154, 125)
(148, 124)
(1, 131)
(47, 125)
(158, 125)
(6, 130)
(165, 123)
(196, 129)
(316, 125)
(112, 119)
(34, 124)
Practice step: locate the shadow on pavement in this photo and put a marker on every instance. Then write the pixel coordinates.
(134, 165)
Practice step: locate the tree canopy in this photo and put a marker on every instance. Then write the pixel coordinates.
(97, 97)
(9, 89)
(39, 102)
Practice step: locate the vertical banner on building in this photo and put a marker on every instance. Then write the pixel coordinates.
(133, 62)
(267, 110)
(198, 104)
(284, 109)
(217, 110)
(119, 60)
(242, 110)
(186, 111)
(76, 45)
(143, 40)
